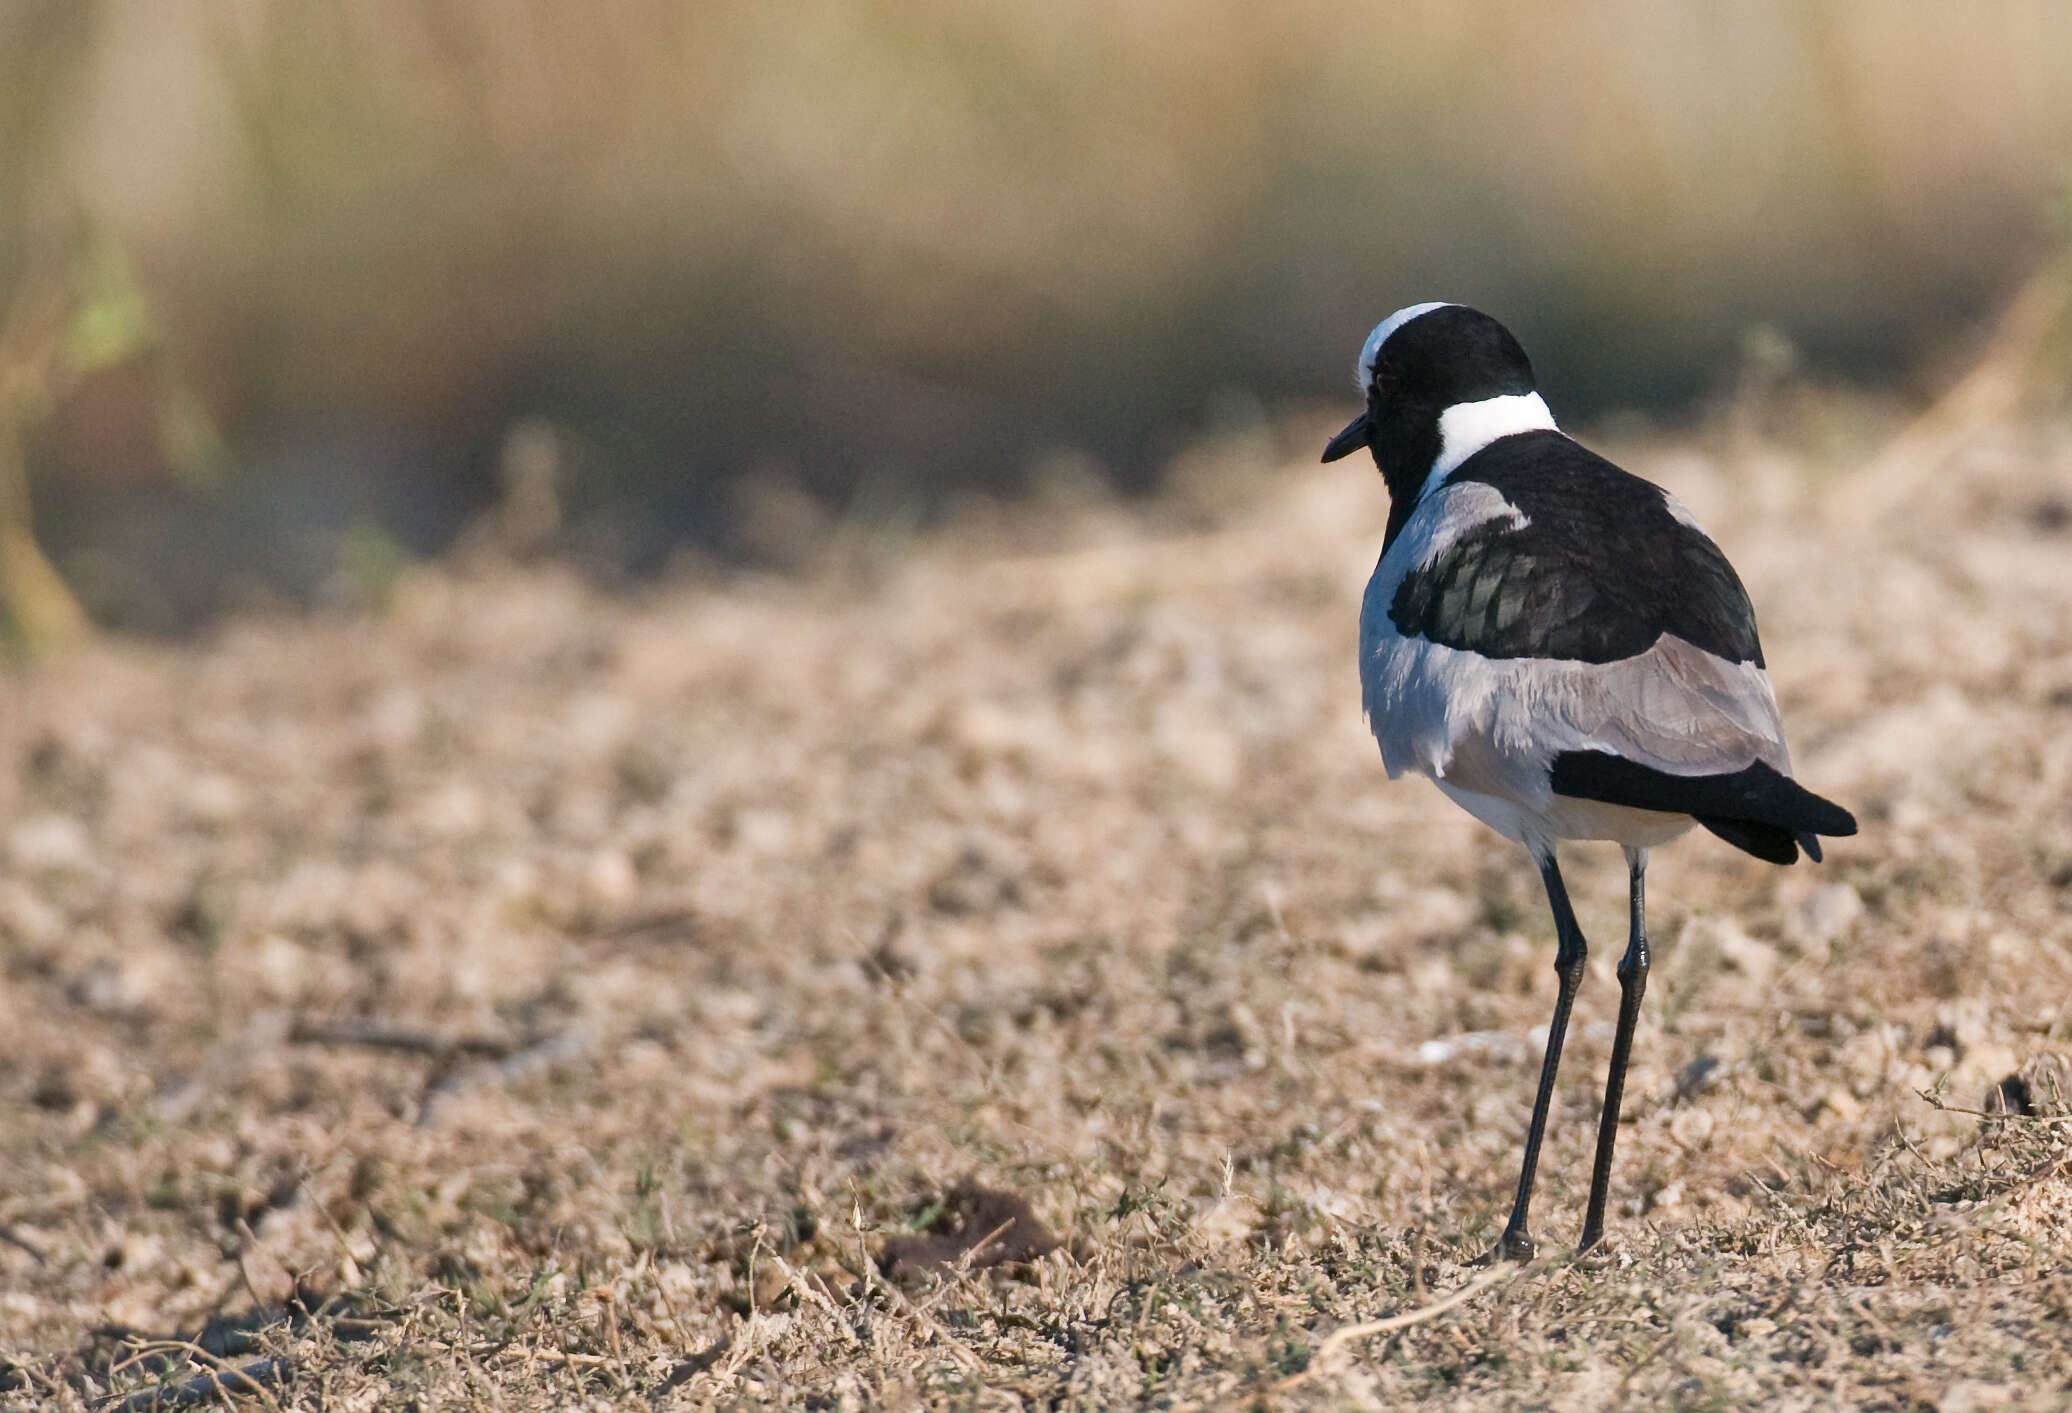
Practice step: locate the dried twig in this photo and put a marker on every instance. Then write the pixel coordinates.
(1366, 1329)
(508, 1067)
(245, 1381)
(381, 1035)
(1336, 1343)
(1935, 1101)
(690, 1368)
(971, 1252)
(15, 1239)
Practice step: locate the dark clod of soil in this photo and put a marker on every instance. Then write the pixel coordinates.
(975, 1227)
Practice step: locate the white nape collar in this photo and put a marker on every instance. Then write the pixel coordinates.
(1467, 427)
(1363, 371)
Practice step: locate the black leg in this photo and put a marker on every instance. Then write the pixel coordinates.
(1516, 1243)
(1633, 981)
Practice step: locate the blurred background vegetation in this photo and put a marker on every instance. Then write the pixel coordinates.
(293, 292)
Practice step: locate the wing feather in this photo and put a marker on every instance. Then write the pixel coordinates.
(1592, 564)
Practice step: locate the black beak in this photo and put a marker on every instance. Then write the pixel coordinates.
(1348, 441)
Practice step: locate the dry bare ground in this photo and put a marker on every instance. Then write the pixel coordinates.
(1009, 981)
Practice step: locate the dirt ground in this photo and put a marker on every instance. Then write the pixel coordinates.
(995, 972)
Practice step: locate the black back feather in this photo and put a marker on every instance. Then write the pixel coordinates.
(1599, 570)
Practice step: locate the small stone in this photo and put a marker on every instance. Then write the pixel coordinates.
(1230, 1219)
(771, 1284)
(1723, 938)
(1967, 1394)
(610, 879)
(1692, 1127)
(1830, 910)
(50, 843)
(1841, 1103)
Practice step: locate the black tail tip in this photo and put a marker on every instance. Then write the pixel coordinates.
(1823, 816)
(1772, 843)
(1758, 808)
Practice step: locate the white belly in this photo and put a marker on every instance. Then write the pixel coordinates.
(1565, 818)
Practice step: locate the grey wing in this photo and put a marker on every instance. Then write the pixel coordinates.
(1465, 716)
(1675, 708)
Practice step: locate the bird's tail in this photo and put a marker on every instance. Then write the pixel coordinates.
(1758, 808)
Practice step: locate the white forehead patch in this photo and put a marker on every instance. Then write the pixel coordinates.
(1363, 373)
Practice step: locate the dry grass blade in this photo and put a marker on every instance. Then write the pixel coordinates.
(1984, 397)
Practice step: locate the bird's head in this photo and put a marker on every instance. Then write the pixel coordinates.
(1441, 382)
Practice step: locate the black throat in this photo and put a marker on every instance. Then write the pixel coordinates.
(1401, 503)
(1405, 450)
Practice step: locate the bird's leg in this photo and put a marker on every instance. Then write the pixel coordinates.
(1516, 1244)
(1633, 981)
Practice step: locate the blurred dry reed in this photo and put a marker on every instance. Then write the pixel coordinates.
(880, 251)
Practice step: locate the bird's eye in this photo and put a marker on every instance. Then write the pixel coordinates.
(1384, 381)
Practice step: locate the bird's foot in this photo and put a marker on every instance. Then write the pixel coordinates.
(1511, 1246)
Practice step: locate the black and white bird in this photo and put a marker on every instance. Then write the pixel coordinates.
(1561, 649)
